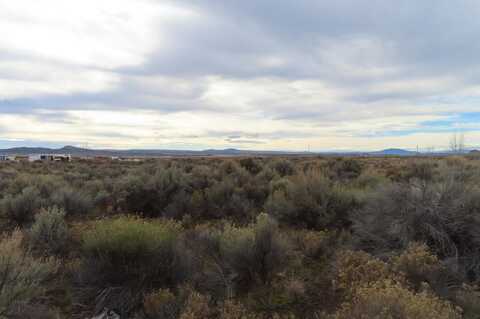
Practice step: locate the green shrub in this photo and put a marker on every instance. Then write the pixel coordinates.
(102, 199)
(126, 257)
(313, 244)
(153, 195)
(310, 200)
(345, 169)
(440, 214)
(423, 170)
(211, 273)
(129, 250)
(20, 209)
(251, 165)
(73, 202)
(49, 232)
(283, 167)
(225, 200)
(45, 184)
(256, 253)
(370, 179)
(21, 276)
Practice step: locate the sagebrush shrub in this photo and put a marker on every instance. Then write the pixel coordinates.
(255, 253)
(283, 167)
(312, 244)
(224, 199)
(310, 200)
(251, 165)
(197, 306)
(22, 276)
(21, 208)
(468, 298)
(345, 169)
(161, 304)
(73, 202)
(151, 195)
(417, 263)
(233, 310)
(388, 300)
(49, 232)
(356, 269)
(423, 170)
(440, 214)
(36, 311)
(133, 251)
(44, 183)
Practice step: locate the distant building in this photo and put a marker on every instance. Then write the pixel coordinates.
(34, 158)
(50, 158)
(131, 159)
(7, 158)
(22, 158)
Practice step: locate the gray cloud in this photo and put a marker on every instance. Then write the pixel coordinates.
(429, 37)
(370, 55)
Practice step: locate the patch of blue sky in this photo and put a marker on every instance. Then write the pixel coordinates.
(456, 121)
(461, 122)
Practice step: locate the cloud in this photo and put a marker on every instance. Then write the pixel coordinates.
(261, 74)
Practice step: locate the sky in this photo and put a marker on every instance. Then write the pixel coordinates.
(256, 74)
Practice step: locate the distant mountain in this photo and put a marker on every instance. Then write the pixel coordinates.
(84, 152)
(394, 152)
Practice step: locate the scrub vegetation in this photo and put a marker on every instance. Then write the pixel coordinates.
(242, 238)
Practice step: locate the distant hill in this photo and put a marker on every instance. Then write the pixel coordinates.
(394, 152)
(85, 152)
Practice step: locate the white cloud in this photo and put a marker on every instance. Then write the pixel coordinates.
(64, 47)
(104, 34)
(35, 79)
(147, 73)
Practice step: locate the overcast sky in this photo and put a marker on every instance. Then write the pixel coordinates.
(252, 74)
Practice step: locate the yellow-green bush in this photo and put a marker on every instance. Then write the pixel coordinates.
(357, 269)
(417, 263)
(49, 232)
(311, 244)
(386, 299)
(22, 276)
(197, 306)
(312, 201)
(132, 250)
(161, 304)
(255, 253)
